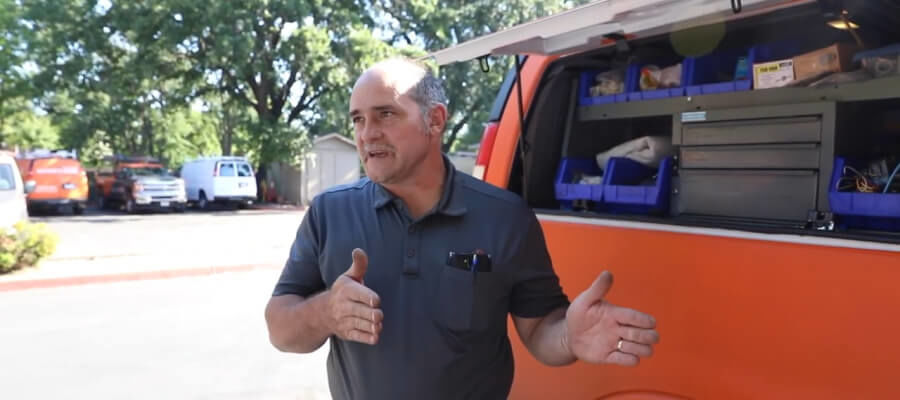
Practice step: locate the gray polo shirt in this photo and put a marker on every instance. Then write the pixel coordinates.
(444, 333)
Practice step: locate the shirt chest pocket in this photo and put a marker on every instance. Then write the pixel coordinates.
(466, 301)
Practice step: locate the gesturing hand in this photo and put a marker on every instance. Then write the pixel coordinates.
(353, 311)
(599, 332)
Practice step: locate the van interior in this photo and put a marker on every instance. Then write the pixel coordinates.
(775, 160)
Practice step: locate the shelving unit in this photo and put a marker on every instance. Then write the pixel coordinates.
(773, 149)
(876, 89)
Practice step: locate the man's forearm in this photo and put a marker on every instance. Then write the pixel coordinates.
(297, 324)
(548, 341)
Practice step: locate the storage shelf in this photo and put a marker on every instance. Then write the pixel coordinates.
(875, 89)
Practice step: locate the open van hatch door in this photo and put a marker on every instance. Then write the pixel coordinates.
(593, 25)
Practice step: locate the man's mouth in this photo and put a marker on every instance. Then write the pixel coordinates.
(377, 154)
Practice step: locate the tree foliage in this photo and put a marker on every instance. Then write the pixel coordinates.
(178, 78)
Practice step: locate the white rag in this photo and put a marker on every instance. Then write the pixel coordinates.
(647, 150)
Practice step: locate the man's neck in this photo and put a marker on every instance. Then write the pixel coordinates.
(422, 192)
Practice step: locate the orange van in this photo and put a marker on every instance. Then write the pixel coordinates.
(56, 179)
(753, 209)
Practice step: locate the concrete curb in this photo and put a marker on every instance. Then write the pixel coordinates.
(127, 277)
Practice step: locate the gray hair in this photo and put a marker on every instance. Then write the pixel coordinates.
(428, 92)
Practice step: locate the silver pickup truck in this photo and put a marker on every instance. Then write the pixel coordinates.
(147, 187)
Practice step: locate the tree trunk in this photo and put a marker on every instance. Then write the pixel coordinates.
(227, 129)
(147, 134)
(261, 176)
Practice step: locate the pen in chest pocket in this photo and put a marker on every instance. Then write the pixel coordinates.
(473, 262)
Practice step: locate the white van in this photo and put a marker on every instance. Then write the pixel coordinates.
(227, 180)
(12, 193)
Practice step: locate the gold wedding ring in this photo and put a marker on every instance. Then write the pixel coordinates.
(619, 345)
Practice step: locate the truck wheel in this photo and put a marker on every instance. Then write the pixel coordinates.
(78, 210)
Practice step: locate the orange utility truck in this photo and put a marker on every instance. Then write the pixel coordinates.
(56, 180)
(754, 211)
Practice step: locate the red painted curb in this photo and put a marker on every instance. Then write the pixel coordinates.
(133, 276)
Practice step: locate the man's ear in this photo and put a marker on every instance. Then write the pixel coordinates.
(437, 120)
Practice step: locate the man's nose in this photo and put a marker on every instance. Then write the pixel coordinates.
(370, 132)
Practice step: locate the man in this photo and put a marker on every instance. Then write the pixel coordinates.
(412, 271)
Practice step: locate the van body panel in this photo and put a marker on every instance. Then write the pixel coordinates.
(12, 193)
(237, 180)
(739, 318)
(220, 179)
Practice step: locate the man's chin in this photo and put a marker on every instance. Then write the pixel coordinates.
(378, 177)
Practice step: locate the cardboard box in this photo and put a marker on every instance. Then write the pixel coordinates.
(835, 58)
(773, 74)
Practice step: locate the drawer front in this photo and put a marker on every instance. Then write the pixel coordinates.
(756, 131)
(784, 156)
(784, 195)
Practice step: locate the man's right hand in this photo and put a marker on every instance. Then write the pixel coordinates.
(353, 311)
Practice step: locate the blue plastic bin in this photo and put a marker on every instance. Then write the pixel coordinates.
(863, 210)
(623, 194)
(634, 82)
(707, 74)
(567, 191)
(584, 91)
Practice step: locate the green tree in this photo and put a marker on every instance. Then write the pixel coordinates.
(25, 128)
(100, 86)
(13, 82)
(288, 61)
(271, 73)
(186, 133)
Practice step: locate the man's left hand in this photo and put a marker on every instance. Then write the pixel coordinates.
(599, 332)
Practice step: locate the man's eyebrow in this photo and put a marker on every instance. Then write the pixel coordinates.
(383, 107)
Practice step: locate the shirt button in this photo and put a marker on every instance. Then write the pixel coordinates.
(411, 253)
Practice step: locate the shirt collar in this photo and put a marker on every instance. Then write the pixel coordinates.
(451, 202)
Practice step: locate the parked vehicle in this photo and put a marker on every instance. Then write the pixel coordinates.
(139, 183)
(13, 207)
(759, 248)
(59, 181)
(223, 180)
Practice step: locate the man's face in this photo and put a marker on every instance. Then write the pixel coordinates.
(391, 135)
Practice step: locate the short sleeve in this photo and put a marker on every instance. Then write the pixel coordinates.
(535, 290)
(301, 275)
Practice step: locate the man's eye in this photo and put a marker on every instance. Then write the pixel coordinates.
(387, 113)
(356, 120)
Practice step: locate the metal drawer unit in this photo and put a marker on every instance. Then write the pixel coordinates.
(778, 156)
(771, 162)
(765, 194)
